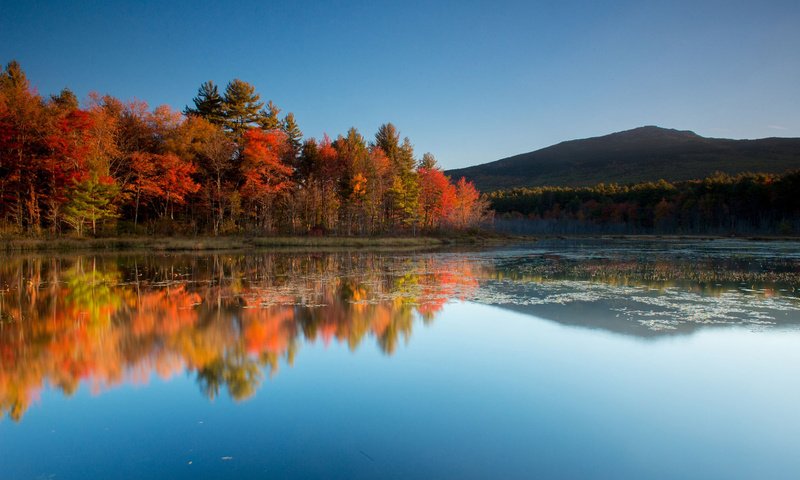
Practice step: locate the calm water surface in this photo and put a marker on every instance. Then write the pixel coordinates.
(562, 359)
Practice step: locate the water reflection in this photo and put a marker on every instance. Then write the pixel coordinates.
(652, 289)
(230, 320)
(224, 318)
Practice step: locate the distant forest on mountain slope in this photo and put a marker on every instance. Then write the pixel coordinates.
(721, 204)
(644, 154)
(647, 180)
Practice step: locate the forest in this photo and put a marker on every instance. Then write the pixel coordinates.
(231, 164)
(747, 203)
(228, 164)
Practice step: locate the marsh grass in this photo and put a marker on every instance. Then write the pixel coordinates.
(66, 244)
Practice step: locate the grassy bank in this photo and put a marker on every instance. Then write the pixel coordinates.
(17, 244)
(198, 244)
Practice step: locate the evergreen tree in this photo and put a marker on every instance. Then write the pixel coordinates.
(292, 131)
(308, 161)
(240, 106)
(428, 162)
(268, 117)
(65, 100)
(405, 157)
(404, 187)
(409, 197)
(207, 103)
(388, 139)
(90, 202)
(353, 152)
(14, 77)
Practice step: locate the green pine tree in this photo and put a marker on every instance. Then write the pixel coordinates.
(408, 176)
(388, 139)
(268, 117)
(207, 103)
(241, 107)
(404, 190)
(292, 131)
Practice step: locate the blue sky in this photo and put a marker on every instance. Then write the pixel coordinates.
(468, 81)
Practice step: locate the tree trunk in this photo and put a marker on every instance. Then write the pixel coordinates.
(136, 211)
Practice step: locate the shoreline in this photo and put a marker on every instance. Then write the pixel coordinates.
(668, 237)
(14, 245)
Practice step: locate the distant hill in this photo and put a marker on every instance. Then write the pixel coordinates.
(639, 155)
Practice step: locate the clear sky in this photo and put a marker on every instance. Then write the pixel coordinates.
(468, 81)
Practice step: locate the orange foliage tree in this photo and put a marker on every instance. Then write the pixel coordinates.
(266, 176)
(162, 181)
(470, 209)
(437, 197)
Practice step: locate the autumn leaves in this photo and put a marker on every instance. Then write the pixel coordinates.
(229, 164)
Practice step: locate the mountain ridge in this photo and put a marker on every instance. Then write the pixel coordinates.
(641, 154)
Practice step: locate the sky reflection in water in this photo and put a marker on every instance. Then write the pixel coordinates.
(602, 360)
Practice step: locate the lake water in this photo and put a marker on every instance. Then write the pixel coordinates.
(558, 359)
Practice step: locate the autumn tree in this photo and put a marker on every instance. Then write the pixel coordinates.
(214, 154)
(354, 157)
(65, 101)
(329, 171)
(428, 161)
(70, 143)
(404, 188)
(109, 144)
(161, 181)
(319, 176)
(437, 195)
(266, 177)
(469, 208)
(379, 180)
(25, 127)
(307, 194)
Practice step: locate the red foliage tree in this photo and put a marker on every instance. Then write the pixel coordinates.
(161, 181)
(265, 174)
(437, 197)
(70, 143)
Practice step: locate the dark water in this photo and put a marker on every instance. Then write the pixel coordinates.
(596, 359)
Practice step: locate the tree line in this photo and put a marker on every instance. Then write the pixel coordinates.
(720, 204)
(227, 164)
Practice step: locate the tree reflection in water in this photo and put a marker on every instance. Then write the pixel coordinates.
(105, 320)
(231, 319)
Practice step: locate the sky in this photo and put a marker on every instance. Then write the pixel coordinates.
(468, 81)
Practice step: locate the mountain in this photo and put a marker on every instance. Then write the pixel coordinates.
(639, 155)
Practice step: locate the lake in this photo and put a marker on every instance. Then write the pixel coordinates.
(555, 359)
